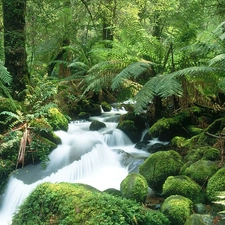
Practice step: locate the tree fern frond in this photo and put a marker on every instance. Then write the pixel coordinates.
(145, 95)
(133, 70)
(201, 70)
(167, 86)
(218, 61)
(5, 76)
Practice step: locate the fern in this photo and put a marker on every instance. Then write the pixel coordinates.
(131, 71)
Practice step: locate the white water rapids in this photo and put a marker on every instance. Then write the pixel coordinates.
(90, 157)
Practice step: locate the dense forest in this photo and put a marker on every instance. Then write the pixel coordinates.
(68, 59)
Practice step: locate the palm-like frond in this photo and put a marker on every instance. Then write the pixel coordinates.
(131, 71)
(5, 76)
(101, 75)
(218, 61)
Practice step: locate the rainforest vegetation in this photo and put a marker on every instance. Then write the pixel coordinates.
(62, 60)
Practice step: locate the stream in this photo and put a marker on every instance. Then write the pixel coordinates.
(101, 159)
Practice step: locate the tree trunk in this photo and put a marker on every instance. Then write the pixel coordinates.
(14, 45)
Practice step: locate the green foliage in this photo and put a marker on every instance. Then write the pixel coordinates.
(177, 209)
(66, 203)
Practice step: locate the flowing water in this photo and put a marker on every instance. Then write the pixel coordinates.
(101, 159)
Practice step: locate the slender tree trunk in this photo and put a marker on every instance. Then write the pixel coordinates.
(14, 44)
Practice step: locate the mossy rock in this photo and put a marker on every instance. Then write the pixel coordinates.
(201, 171)
(185, 186)
(96, 125)
(106, 107)
(138, 119)
(66, 203)
(177, 209)
(84, 116)
(57, 120)
(216, 184)
(203, 152)
(135, 187)
(87, 106)
(129, 128)
(179, 142)
(44, 129)
(167, 128)
(160, 165)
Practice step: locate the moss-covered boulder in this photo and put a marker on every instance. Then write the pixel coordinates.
(201, 171)
(135, 187)
(66, 203)
(185, 186)
(160, 165)
(216, 184)
(106, 107)
(96, 125)
(57, 120)
(203, 152)
(88, 106)
(177, 209)
(129, 128)
(84, 116)
(167, 128)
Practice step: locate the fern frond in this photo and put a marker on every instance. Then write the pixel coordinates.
(145, 95)
(132, 71)
(12, 115)
(197, 71)
(218, 61)
(167, 86)
(5, 76)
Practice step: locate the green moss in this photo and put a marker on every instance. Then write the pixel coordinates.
(201, 171)
(167, 128)
(66, 203)
(179, 142)
(177, 209)
(216, 184)
(185, 186)
(129, 128)
(203, 152)
(106, 107)
(158, 166)
(135, 187)
(57, 120)
(84, 116)
(193, 130)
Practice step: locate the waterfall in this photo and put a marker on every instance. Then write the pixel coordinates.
(83, 157)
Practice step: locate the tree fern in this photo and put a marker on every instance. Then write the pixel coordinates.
(132, 71)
